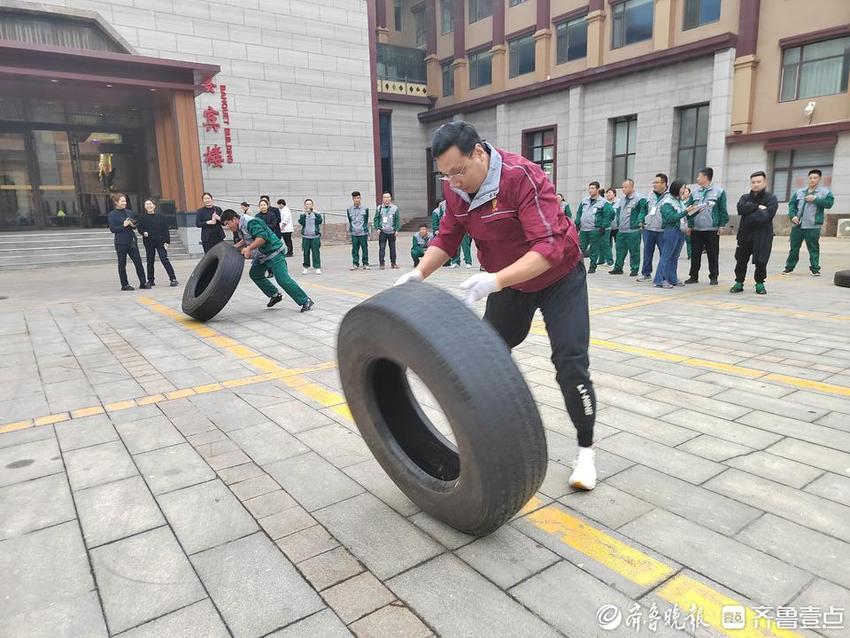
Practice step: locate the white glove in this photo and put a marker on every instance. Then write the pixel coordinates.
(413, 275)
(479, 286)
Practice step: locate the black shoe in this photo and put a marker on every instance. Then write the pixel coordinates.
(174, 283)
(127, 287)
(691, 280)
(591, 270)
(144, 286)
(307, 306)
(274, 300)
(633, 274)
(616, 271)
(151, 284)
(712, 282)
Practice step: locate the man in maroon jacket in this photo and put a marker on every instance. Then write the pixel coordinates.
(531, 253)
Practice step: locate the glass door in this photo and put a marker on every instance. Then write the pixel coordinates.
(57, 188)
(17, 207)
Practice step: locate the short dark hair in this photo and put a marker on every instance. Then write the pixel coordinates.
(423, 225)
(676, 188)
(386, 193)
(594, 183)
(708, 172)
(265, 197)
(758, 174)
(561, 195)
(458, 133)
(282, 202)
(816, 171)
(612, 189)
(116, 197)
(355, 193)
(245, 204)
(229, 214)
(663, 177)
(309, 200)
(207, 193)
(630, 181)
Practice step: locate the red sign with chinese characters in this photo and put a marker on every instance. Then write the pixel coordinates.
(214, 157)
(208, 86)
(225, 116)
(211, 120)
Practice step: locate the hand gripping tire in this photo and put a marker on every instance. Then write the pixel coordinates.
(213, 282)
(842, 278)
(500, 458)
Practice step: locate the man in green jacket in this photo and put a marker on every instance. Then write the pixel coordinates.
(358, 228)
(631, 211)
(387, 222)
(707, 214)
(311, 237)
(465, 244)
(261, 245)
(806, 212)
(420, 244)
(565, 206)
(594, 216)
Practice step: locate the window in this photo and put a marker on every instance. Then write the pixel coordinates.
(480, 9)
(632, 22)
(539, 147)
(820, 68)
(693, 138)
(571, 40)
(700, 12)
(480, 69)
(386, 139)
(447, 16)
(625, 143)
(513, 3)
(791, 169)
(398, 17)
(419, 24)
(448, 79)
(521, 52)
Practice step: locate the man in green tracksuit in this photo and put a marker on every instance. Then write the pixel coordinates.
(311, 237)
(631, 212)
(387, 222)
(358, 228)
(259, 243)
(806, 212)
(465, 244)
(420, 244)
(594, 216)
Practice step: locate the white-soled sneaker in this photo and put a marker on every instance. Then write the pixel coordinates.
(305, 271)
(318, 271)
(584, 470)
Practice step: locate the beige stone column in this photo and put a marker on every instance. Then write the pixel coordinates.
(433, 73)
(461, 76)
(595, 35)
(743, 89)
(499, 61)
(542, 54)
(662, 29)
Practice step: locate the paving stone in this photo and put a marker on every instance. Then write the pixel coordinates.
(824, 595)
(325, 624)
(831, 486)
(27, 461)
(199, 620)
(456, 601)
(254, 487)
(27, 435)
(776, 468)
(772, 405)
(44, 567)
(143, 577)
(173, 468)
(507, 556)
(312, 481)
(818, 434)
(710, 406)
(668, 460)
(695, 503)
(811, 454)
(239, 473)
(68, 618)
(35, 504)
(641, 405)
(357, 596)
(747, 385)
(116, 510)
(90, 466)
(392, 621)
(254, 587)
(192, 423)
(287, 522)
(267, 442)
(384, 541)
(270, 503)
(372, 476)
(798, 545)
(337, 444)
(329, 568)
(119, 417)
(836, 420)
(299, 417)
(91, 430)
(307, 543)
(821, 514)
(723, 429)
(713, 449)
(149, 434)
(727, 561)
(440, 532)
(647, 427)
(607, 504)
(206, 515)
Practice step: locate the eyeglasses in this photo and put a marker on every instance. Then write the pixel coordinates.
(453, 177)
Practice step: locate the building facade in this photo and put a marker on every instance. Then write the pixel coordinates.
(608, 89)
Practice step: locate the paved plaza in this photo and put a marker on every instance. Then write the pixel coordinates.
(165, 478)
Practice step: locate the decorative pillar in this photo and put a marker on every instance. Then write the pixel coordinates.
(543, 42)
(498, 64)
(381, 29)
(595, 35)
(662, 30)
(432, 64)
(459, 65)
(745, 66)
(461, 76)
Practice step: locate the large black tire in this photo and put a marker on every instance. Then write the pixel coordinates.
(842, 278)
(213, 282)
(500, 458)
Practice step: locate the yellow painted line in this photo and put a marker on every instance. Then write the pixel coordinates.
(534, 503)
(120, 405)
(343, 411)
(808, 384)
(83, 412)
(52, 418)
(179, 394)
(150, 399)
(239, 351)
(265, 364)
(17, 425)
(344, 291)
(223, 342)
(611, 552)
(687, 593)
(769, 310)
(210, 387)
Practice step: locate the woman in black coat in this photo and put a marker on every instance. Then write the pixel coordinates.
(755, 232)
(122, 223)
(156, 237)
(208, 219)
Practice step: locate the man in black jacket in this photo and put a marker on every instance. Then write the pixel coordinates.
(156, 237)
(208, 219)
(122, 223)
(755, 232)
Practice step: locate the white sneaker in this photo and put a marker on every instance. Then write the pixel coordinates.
(305, 271)
(467, 265)
(454, 266)
(318, 271)
(584, 470)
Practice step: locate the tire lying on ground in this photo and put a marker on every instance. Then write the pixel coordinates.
(500, 458)
(213, 282)
(842, 278)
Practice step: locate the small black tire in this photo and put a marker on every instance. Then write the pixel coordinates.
(213, 282)
(500, 458)
(842, 278)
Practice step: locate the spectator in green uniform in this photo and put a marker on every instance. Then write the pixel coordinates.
(611, 232)
(465, 244)
(358, 228)
(631, 210)
(420, 244)
(311, 237)
(260, 244)
(805, 209)
(565, 206)
(593, 217)
(687, 201)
